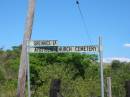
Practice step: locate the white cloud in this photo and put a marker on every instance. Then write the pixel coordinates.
(127, 45)
(121, 59)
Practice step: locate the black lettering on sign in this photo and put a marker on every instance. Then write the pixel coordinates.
(82, 48)
(38, 50)
(54, 42)
(79, 48)
(92, 48)
(64, 48)
(60, 49)
(85, 48)
(70, 48)
(76, 48)
(45, 49)
(36, 43)
(45, 43)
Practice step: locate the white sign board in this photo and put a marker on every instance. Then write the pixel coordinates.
(63, 49)
(40, 43)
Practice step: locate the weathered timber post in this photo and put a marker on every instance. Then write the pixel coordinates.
(24, 60)
(109, 91)
(55, 88)
(127, 88)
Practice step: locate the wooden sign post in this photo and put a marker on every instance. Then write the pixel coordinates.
(24, 59)
(109, 91)
(101, 66)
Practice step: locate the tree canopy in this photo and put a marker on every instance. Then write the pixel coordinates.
(79, 74)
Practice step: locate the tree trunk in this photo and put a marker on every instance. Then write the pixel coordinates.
(23, 59)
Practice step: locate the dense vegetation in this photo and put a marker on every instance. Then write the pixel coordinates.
(79, 74)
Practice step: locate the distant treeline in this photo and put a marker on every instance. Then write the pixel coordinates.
(79, 74)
